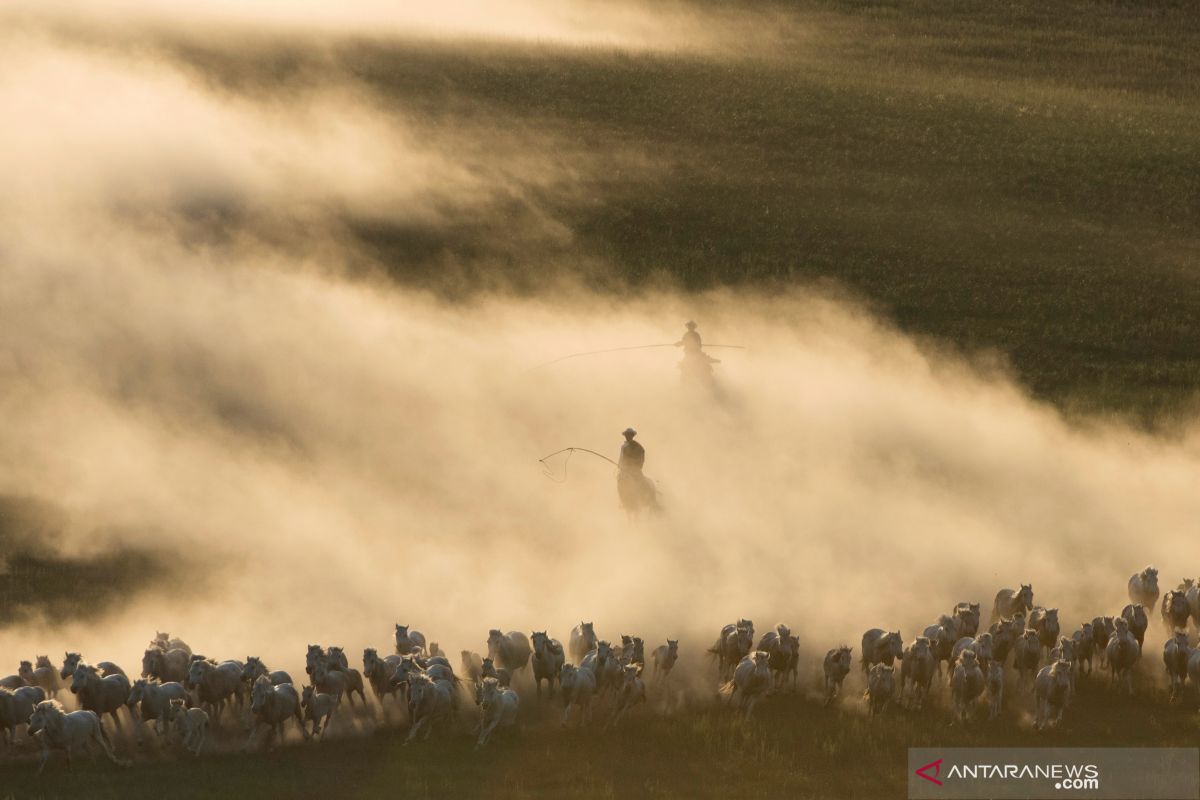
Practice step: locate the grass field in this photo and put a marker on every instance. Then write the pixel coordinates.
(792, 747)
(1019, 178)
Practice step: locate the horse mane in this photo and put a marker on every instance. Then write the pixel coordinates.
(50, 705)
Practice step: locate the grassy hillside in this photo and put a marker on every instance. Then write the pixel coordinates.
(1018, 177)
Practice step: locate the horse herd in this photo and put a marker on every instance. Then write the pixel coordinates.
(1048, 662)
(184, 695)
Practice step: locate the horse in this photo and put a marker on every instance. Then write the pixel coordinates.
(42, 674)
(637, 493)
(1009, 602)
(498, 708)
(151, 699)
(62, 731)
(164, 641)
(578, 687)
(255, 668)
(836, 667)
(190, 725)
(102, 695)
(379, 671)
(734, 643)
(665, 656)
(216, 684)
(583, 641)
(510, 650)
(547, 661)
(430, 702)
(318, 706)
(409, 641)
(272, 706)
(752, 678)
(633, 692)
(71, 661)
(166, 665)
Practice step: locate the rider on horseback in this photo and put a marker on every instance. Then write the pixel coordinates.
(636, 491)
(633, 455)
(696, 364)
(691, 339)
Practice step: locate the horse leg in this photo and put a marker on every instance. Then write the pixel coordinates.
(412, 733)
(300, 721)
(250, 740)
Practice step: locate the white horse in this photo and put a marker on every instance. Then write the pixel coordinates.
(272, 706)
(16, 707)
(881, 687)
(578, 688)
(751, 681)
(189, 724)
(165, 641)
(1010, 602)
(604, 666)
(1027, 654)
(633, 692)
(498, 707)
(509, 650)
(15, 681)
(318, 706)
(217, 684)
(1176, 653)
(1175, 611)
(166, 665)
(836, 667)
(101, 695)
(777, 644)
(1135, 615)
(1193, 666)
(665, 656)
(72, 660)
(917, 668)
(43, 674)
(409, 641)
(967, 684)
(880, 647)
(548, 660)
(1123, 652)
(66, 732)
(1052, 692)
(335, 661)
(255, 668)
(378, 672)
(583, 641)
(151, 699)
(734, 643)
(430, 702)
(1143, 587)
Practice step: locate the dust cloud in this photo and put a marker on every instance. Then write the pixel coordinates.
(196, 368)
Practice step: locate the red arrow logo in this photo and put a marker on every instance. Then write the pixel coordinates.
(937, 770)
